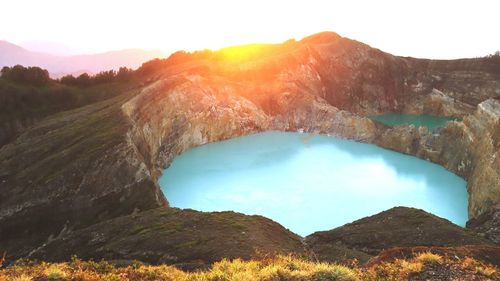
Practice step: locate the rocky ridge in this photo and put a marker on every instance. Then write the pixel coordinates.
(185, 238)
(396, 227)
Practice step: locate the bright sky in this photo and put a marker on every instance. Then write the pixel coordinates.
(424, 28)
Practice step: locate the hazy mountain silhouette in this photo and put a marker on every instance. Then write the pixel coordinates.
(11, 54)
(53, 48)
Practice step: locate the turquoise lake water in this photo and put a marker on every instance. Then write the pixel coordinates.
(429, 121)
(309, 183)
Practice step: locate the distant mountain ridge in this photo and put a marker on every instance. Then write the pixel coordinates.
(12, 54)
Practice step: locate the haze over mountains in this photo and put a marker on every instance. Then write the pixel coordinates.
(60, 65)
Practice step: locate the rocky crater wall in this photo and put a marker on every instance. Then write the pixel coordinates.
(469, 149)
(93, 164)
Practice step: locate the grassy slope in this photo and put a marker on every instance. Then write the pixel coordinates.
(49, 159)
(186, 238)
(85, 132)
(22, 105)
(20, 100)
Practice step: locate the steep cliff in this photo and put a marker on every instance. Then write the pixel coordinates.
(469, 149)
(180, 112)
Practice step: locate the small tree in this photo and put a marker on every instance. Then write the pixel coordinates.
(5, 71)
(124, 74)
(104, 77)
(152, 66)
(68, 80)
(83, 80)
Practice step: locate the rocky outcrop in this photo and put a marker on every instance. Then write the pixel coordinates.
(487, 224)
(396, 227)
(185, 238)
(483, 133)
(450, 88)
(180, 112)
(357, 78)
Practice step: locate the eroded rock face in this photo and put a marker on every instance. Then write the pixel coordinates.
(180, 112)
(450, 88)
(469, 149)
(483, 129)
(487, 224)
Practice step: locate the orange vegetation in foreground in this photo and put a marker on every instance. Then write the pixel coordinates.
(425, 266)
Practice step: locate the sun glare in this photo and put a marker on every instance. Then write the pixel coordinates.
(393, 26)
(244, 52)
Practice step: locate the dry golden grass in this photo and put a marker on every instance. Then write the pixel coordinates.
(22, 278)
(279, 268)
(429, 257)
